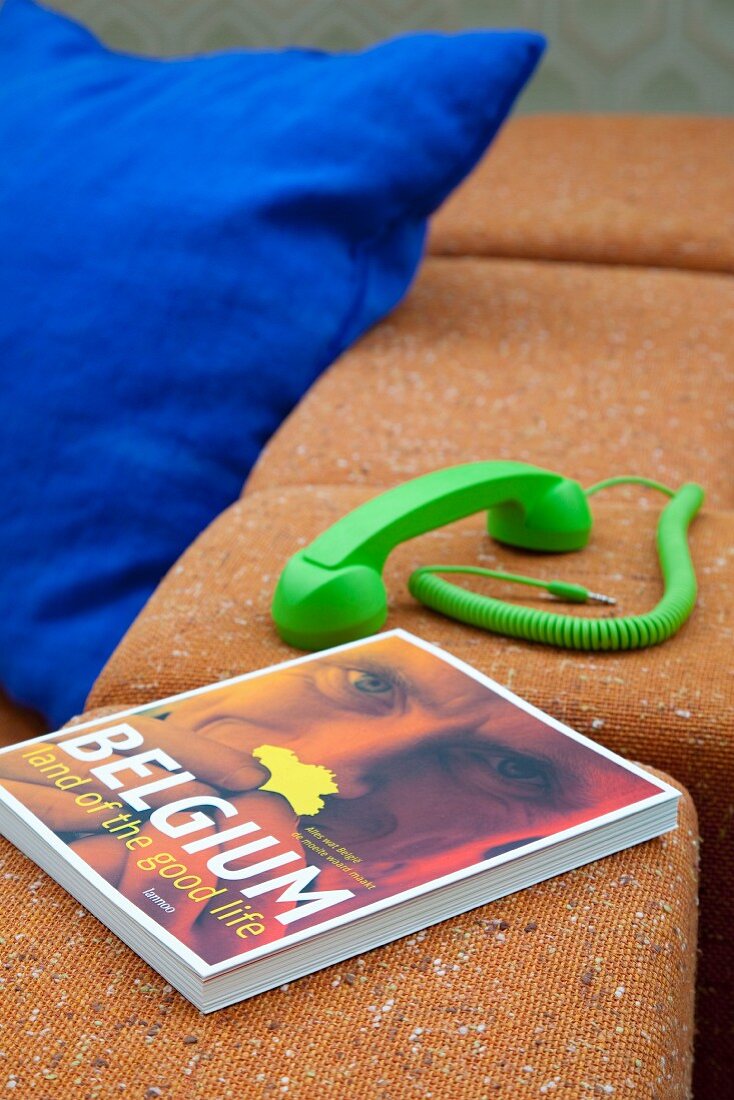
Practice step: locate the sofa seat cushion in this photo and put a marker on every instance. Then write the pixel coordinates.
(210, 619)
(584, 982)
(600, 189)
(591, 371)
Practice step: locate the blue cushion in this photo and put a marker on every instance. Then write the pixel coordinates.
(185, 246)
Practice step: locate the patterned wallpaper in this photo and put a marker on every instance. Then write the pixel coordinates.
(605, 55)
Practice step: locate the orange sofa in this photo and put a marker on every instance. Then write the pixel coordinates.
(575, 311)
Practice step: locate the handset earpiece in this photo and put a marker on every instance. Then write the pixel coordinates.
(332, 591)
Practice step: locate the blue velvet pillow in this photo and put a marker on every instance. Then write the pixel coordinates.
(184, 246)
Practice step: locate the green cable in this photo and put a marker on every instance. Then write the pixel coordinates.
(567, 631)
(630, 479)
(563, 590)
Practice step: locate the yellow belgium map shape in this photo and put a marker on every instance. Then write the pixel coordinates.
(301, 784)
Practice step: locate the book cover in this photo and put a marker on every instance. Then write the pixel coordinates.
(248, 816)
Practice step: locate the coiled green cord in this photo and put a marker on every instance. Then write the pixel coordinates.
(568, 631)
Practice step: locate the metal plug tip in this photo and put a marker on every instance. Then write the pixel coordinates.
(598, 597)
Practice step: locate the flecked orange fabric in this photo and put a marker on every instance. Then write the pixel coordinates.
(651, 190)
(580, 986)
(17, 723)
(210, 619)
(591, 371)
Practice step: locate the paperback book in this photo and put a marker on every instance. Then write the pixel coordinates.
(244, 834)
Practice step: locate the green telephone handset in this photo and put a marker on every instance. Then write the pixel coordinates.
(332, 591)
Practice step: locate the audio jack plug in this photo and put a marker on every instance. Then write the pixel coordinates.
(575, 593)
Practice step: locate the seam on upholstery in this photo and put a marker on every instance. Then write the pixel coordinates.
(588, 262)
(483, 256)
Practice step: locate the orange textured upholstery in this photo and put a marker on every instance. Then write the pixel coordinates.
(578, 986)
(17, 722)
(604, 189)
(210, 619)
(591, 371)
(597, 363)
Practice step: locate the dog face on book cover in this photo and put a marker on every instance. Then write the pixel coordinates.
(419, 770)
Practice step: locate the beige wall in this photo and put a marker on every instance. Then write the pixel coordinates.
(605, 55)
